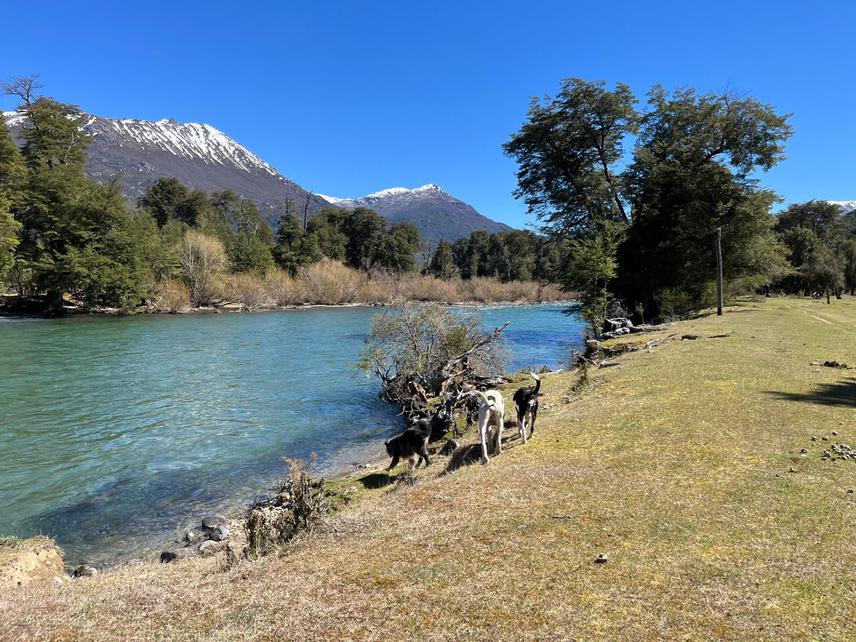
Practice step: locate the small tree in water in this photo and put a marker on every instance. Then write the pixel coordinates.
(415, 349)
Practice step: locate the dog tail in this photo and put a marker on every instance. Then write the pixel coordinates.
(490, 402)
(537, 382)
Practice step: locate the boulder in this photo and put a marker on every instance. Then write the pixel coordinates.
(212, 521)
(219, 533)
(84, 571)
(27, 560)
(212, 547)
(176, 554)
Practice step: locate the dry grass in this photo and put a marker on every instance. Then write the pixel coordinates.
(674, 464)
(331, 283)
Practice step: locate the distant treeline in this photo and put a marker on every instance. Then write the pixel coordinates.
(65, 238)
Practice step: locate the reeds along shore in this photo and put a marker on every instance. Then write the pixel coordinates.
(331, 283)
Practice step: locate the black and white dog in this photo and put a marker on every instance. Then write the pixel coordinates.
(413, 441)
(526, 401)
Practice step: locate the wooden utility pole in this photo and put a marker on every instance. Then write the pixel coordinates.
(719, 271)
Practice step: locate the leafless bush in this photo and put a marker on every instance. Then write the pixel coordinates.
(297, 506)
(283, 289)
(430, 289)
(330, 283)
(170, 296)
(246, 289)
(204, 262)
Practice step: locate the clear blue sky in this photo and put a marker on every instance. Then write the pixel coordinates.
(347, 98)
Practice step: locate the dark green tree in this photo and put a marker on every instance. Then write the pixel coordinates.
(693, 173)
(568, 155)
(76, 237)
(442, 263)
(294, 248)
(397, 248)
(163, 199)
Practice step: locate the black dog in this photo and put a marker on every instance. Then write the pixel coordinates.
(526, 401)
(436, 427)
(413, 441)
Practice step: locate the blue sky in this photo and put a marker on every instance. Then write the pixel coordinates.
(347, 98)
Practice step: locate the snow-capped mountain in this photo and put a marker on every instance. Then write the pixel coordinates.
(138, 152)
(846, 206)
(434, 211)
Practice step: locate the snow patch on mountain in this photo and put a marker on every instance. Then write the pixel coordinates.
(186, 140)
(389, 194)
(846, 206)
(14, 118)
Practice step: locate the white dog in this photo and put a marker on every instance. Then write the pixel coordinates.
(491, 413)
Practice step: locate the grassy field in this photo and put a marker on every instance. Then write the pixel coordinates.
(682, 465)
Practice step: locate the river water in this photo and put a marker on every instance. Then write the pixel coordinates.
(117, 433)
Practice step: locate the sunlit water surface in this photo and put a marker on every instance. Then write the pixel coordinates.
(117, 433)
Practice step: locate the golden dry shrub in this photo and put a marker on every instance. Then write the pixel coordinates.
(203, 259)
(382, 287)
(329, 282)
(247, 290)
(170, 296)
(430, 288)
(283, 289)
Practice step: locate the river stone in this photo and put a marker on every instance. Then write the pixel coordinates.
(180, 553)
(191, 537)
(85, 571)
(211, 521)
(211, 547)
(219, 533)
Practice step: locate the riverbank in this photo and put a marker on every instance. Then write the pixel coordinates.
(324, 284)
(690, 468)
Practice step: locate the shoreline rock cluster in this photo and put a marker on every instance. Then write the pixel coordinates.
(213, 538)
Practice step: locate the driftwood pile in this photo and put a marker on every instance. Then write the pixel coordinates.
(451, 382)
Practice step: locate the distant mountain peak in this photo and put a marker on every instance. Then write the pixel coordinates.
(846, 206)
(436, 213)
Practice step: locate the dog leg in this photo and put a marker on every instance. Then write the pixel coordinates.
(483, 438)
(500, 426)
(393, 463)
(423, 453)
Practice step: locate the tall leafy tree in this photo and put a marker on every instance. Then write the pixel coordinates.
(13, 176)
(569, 153)
(442, 263)
(693, 173)
(76, 235)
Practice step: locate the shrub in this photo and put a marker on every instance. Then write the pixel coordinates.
(330, 283)
(203, 259)
(283, 289)
(246, 289)
(297, 505)
(170, 296)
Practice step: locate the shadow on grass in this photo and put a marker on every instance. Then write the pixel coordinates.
(376, 480)
(842, 393)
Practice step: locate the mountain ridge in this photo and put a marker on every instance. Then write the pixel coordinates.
(137, 152)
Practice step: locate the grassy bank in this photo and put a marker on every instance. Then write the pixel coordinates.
(675, 464)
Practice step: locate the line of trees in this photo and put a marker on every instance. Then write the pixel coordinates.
(638, 192)
(820, 240)
(516, 255)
